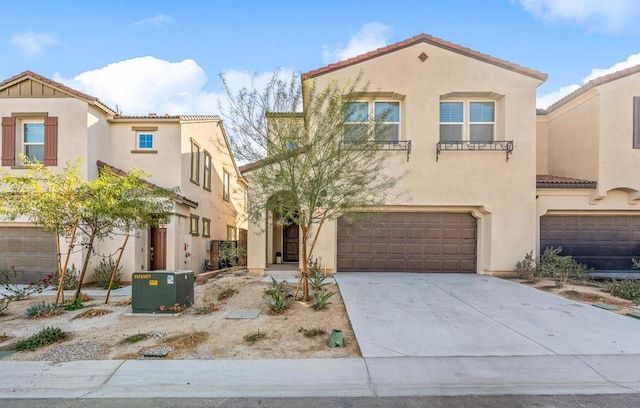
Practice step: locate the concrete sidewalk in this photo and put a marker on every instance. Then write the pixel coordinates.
(351, 377)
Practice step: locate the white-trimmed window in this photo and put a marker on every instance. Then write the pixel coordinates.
(359, 116)
(144, 141)
(33, 139)
(473, 121)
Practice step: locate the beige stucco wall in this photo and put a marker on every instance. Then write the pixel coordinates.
(618, 159)
(542, 144)
(574, 138)
(502, 192)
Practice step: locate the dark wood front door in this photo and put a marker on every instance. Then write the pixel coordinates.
(291, 242)
(158, 249)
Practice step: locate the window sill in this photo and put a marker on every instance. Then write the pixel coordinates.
(142, 151)
(206, 188)
(197, 183)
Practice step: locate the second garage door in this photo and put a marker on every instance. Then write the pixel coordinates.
(408, 242)
(602, 242)
(30, 250)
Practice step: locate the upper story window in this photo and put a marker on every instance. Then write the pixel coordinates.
(33, 139)
(472, 121)
(361, 116)
(34, 135)
(144, 141)
(225, 185)
(195, 162)
(207, 171)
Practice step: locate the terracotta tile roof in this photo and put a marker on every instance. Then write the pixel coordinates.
(58, 85)
(177, 197)
(590, 85)
(430, 40)
(548, 181)
(182, 118)
(271, 159)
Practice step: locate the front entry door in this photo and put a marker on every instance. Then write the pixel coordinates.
(291, 242)
(158, 249)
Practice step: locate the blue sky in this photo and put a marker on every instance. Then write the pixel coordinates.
(166, 56)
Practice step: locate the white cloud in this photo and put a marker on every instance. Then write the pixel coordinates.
(547, 99)
(32, 43)
(370, 37)
(143, 85)
(610, 16)
(148, 85)
(160, 19)
(631, 61)
(544, 101)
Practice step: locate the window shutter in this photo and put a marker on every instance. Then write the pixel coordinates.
(50, 141)
(636, 122)
(8, 141)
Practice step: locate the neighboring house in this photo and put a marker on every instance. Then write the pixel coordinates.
(462, 126)
(486, 183)
(53, 123)
(590, 142)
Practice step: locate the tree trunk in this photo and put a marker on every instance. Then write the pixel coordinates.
(305, 264)
(85, 264)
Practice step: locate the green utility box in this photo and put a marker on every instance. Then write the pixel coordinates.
(161, 291)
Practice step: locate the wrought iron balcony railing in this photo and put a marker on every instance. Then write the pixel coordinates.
(496, 145)
(401, 145)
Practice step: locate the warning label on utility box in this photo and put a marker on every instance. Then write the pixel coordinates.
(153, 282)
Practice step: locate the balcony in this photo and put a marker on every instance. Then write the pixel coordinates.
(496, 145)
(394, 145)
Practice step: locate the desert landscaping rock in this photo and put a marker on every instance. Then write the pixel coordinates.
(105, 337)
(158, 352)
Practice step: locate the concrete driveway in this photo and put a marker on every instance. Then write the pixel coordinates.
(446, 315)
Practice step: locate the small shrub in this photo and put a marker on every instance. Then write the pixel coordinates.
(278, 296)
(102, 274)
(7, 281)
(560, 268)
(48, 335)
(227, 293)
(89, 313)
(43, 309)
(74, 304)
(3, 337)
(70, 280)
(526, 268)
(5, 301)
(135, 338)
(253, 337)
(625, 289)
(321, 298)
(311, 333)
(317, 280)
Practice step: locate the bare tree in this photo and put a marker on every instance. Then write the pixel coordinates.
(306, 165)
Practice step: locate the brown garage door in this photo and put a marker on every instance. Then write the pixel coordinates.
(601, 242)
(31, 250)
(408, 242)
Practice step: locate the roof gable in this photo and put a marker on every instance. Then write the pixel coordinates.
(438, 42)
(589, 86)
(31, 85)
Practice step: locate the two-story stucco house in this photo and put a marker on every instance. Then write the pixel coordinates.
(588, 198)
(53, 123)
(466, 139)
(487, 180)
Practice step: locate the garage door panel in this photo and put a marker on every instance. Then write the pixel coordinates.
(30, 250)
(600, 242)
(413, 242)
